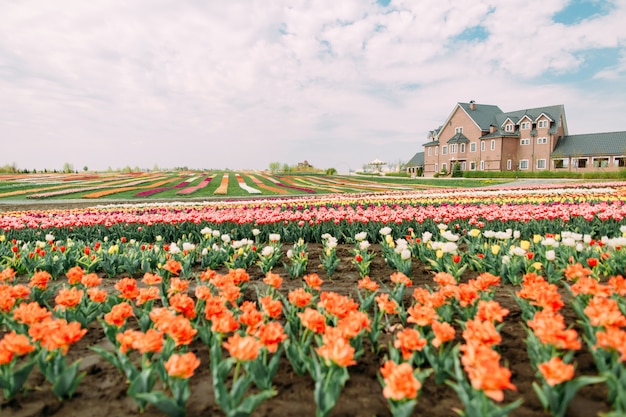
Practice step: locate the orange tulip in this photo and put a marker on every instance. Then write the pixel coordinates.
(367, 284)
(401, 279)
(313, 320)
(604, 312)
(91, 280)
(273, 308)
(118, 314)
(313, 281)
(69, 298)
(443, 332)
(40, 279)
(182, 365)
(97, 295)
(387, 305)
(243, 348)
(409, 340)
(18, 344)
(147, 294)
(273, 280)
(421, 315)
(30, 313)
(400, 381)
(183, 304)
(74, 275)
(556, 372)
(172, 266)
(299, 297)
(127, 288)
(337, 350)
(226, 323)
(271, 335)
(336, 304)
(151, 279)
(491, 311)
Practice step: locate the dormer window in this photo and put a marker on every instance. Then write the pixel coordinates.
(509, 127)
(458, 130)
(542, 124)
(525, 125)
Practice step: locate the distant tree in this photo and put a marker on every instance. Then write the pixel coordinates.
(85, 168)
(331, 171)
(286, 168)
(274, 167)
(127, 169)
(155, 168)
(109, 169)
(456, 170)
(68, 168)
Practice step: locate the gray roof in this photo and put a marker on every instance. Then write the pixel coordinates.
(483, 114)
(416, 161)
(612, 143)
(553, 112)
(431, 143)
(458, 138)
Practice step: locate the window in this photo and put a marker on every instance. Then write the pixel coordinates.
(541, 141)
(453, 148)
(437, 151)
(600, 162)
(509, 127)
(482, 165)
(482, 146)
(580, 162)
(541, 164)
(560, 163)
(436, 167)
(462, 148)
(444, 167)
(509, 164)
(493, 144)
(524, 141)
(444, 149)
(542, 124)
(472, 166)
(620, 161)
(473, 147)
(525, 125)
(463, 166)
(523, 164)
(458, 130)
(429, 151)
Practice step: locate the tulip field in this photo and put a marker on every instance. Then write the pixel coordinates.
(397, 302)
(194, 185)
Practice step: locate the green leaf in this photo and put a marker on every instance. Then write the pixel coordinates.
(67, 381)
(251, 402)
(163, 403)
(19, 378)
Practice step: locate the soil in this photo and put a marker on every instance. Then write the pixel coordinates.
(102, 393)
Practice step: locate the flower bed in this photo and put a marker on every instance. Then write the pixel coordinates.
(308, 306)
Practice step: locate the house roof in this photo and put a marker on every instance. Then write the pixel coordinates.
(483, 114)
(611, 143)
(416, 161)
(431, 143)
(458, 138)
(552, 112)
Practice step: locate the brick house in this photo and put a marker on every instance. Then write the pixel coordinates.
(482, 137)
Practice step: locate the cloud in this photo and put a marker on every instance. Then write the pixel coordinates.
(239, 84)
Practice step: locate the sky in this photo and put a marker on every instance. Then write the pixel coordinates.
(240, 84)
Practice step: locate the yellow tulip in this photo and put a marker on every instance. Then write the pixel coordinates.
(537, 238)
(439, 254)
(525, 244)
(495, 249)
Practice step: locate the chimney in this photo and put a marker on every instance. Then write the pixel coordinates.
(492, 129)
(472, 105)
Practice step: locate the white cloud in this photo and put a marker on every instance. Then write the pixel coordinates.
(241, 83)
